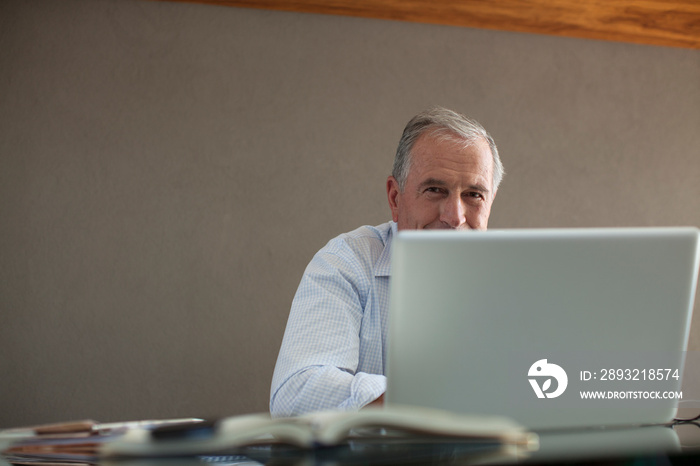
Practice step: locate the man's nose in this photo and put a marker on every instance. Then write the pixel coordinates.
(453, 212)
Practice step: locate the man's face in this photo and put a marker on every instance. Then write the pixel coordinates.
(448, 186)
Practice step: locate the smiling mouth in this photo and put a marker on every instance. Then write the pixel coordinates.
(442, 226)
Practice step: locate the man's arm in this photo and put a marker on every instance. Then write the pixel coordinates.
(317, 367)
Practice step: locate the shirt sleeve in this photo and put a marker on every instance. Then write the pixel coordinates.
(318, 360)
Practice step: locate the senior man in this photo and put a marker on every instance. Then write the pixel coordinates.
(445, 176)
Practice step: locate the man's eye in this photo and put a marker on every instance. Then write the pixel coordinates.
(475, 195)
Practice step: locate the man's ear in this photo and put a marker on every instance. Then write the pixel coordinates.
(393, 194)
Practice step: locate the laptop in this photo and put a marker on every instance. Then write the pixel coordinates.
(554, 328)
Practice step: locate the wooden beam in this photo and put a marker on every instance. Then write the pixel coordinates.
(673, 23)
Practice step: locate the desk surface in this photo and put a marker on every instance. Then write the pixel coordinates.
(653, 445)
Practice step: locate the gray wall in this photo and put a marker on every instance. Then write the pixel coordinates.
(167, 170)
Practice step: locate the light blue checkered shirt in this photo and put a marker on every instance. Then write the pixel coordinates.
(334, 348)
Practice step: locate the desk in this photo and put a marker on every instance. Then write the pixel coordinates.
(653, 445)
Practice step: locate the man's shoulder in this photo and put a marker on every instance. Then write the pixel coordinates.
(365, 252)
(366, 247)
(364, 237)
(369, 233)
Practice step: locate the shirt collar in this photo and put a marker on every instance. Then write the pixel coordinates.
(383, 265)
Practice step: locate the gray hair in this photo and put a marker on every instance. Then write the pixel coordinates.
(442, 123)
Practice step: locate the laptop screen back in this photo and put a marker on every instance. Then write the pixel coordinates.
(554, 328)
